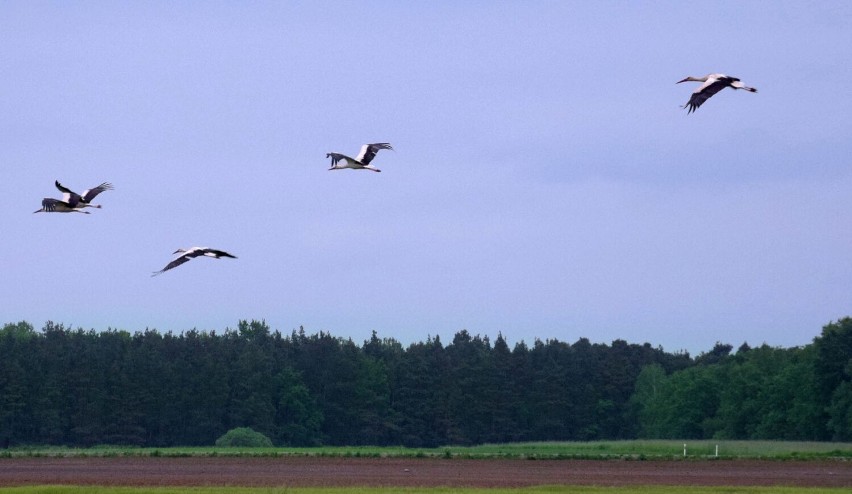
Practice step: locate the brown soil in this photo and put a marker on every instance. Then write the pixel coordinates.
(308, 471)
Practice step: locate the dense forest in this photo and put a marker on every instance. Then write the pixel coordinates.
(62, 386)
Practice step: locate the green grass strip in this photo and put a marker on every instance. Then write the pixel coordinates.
(417, 490)
(636, 449)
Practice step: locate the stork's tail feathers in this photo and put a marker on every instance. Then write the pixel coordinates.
(740, 85)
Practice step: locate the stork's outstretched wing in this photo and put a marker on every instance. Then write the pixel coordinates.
(73, 198)
(708, 89)
(90, 194)
(368, 151)
(177, 262)
(62, 188)
(69, 196)
(336, 157)
(51, 205)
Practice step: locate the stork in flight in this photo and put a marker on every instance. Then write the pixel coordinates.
(72, 202)
(362, 162)
(713, 83)
(191, 253)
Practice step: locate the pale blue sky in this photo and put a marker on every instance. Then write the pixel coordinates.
(546, 182)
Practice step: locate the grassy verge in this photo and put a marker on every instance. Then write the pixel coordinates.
(416, 490)
(639, 450)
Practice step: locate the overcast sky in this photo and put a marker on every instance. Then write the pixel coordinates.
(546, 182)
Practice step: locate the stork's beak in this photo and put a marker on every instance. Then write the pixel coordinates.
(684, 80)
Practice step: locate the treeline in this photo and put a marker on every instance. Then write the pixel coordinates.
(81, 388)
(758, 393)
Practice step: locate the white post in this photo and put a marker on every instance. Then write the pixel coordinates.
(684, 450)
(717, 451)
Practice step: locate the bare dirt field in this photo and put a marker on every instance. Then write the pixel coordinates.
(313, 471)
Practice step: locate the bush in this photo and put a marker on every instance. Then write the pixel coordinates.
(244, 437)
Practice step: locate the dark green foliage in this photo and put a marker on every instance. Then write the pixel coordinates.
(421, 395)
(243, 437)
(81, 388)
(759, 393)
(298, 418)
(834, 377)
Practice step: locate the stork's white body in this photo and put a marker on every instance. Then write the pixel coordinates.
(362, 162)
(351, 163)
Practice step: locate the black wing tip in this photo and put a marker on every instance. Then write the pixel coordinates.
(689, 107)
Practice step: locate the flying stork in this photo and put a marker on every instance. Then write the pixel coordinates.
(362, 162)
(713, 83)
(72, 202)
(191, 253)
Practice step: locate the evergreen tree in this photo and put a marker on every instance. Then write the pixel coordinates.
(833, 371)
(298, 420)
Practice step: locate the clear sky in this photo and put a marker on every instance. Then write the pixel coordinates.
(546, 182)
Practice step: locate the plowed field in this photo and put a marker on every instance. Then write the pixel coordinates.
(313, 471)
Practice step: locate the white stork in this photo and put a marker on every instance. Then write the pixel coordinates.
(713, 83)
(191, 253)
(72, 202)
(362, 162)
